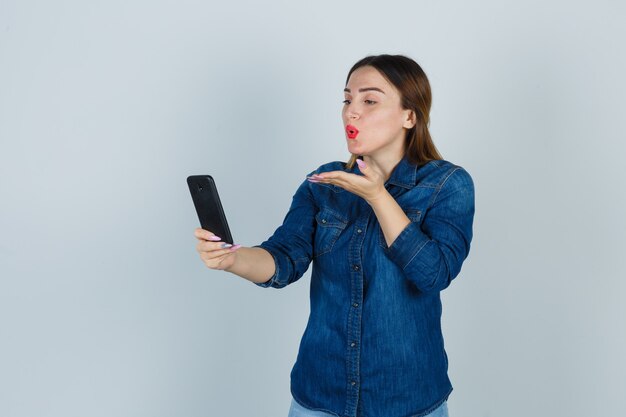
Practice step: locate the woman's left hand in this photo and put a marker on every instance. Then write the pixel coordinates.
(369, 186)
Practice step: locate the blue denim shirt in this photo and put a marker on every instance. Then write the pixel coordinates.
(373, 344)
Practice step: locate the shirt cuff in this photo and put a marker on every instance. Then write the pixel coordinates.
(280, 266)
(407, 245)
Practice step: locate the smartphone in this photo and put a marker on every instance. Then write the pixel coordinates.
(208, 206)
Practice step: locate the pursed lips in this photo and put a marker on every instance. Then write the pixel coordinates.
(352, 131)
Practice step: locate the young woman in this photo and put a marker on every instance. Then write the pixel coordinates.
(386, 232)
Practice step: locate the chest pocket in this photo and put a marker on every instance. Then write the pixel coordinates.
(414, 215)
(328, 227)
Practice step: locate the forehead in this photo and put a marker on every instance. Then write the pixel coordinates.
(368, 76)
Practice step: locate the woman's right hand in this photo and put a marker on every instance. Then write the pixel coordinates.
(211, 251)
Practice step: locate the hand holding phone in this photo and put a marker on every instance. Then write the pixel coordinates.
(214, 253)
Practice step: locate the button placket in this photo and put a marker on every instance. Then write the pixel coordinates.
(355, 315)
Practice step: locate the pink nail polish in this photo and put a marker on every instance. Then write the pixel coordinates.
(214, 238)
(232, 248)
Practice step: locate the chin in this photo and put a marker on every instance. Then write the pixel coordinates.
(358, 150)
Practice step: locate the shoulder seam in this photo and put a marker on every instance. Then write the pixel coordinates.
(452, 171)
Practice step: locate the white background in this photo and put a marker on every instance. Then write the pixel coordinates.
(107, 107)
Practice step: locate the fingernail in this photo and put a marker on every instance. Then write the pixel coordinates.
(215, 238)
(226, 245)
(360, 163)
(235, 247)
(312, 180)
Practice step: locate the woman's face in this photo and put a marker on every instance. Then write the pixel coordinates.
(372, 106)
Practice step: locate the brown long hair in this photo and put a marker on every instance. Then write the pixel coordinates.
(411, 81)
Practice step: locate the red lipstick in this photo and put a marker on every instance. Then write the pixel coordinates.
(352, 131)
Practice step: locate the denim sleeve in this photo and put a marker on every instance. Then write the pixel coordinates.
(291, 245)
(431, 255)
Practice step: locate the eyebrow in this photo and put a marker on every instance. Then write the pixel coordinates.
(347, 90)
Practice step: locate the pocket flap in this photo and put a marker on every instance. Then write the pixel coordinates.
(328, 218)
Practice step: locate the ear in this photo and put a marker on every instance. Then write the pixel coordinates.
(410, 120)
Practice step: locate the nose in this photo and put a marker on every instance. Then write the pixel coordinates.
(352, 115)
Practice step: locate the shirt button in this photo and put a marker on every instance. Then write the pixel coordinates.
(355, 305)
(353, 344)
(356, 267)
(323, 220)
(358, 231)
(352, 383)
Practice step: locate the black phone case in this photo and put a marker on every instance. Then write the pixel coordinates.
(208, 206)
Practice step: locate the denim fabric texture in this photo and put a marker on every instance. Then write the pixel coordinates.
(296, 410)
(373, 345)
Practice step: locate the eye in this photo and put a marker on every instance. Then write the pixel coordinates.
(370, 102)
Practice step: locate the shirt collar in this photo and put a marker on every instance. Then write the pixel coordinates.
(404, 174)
